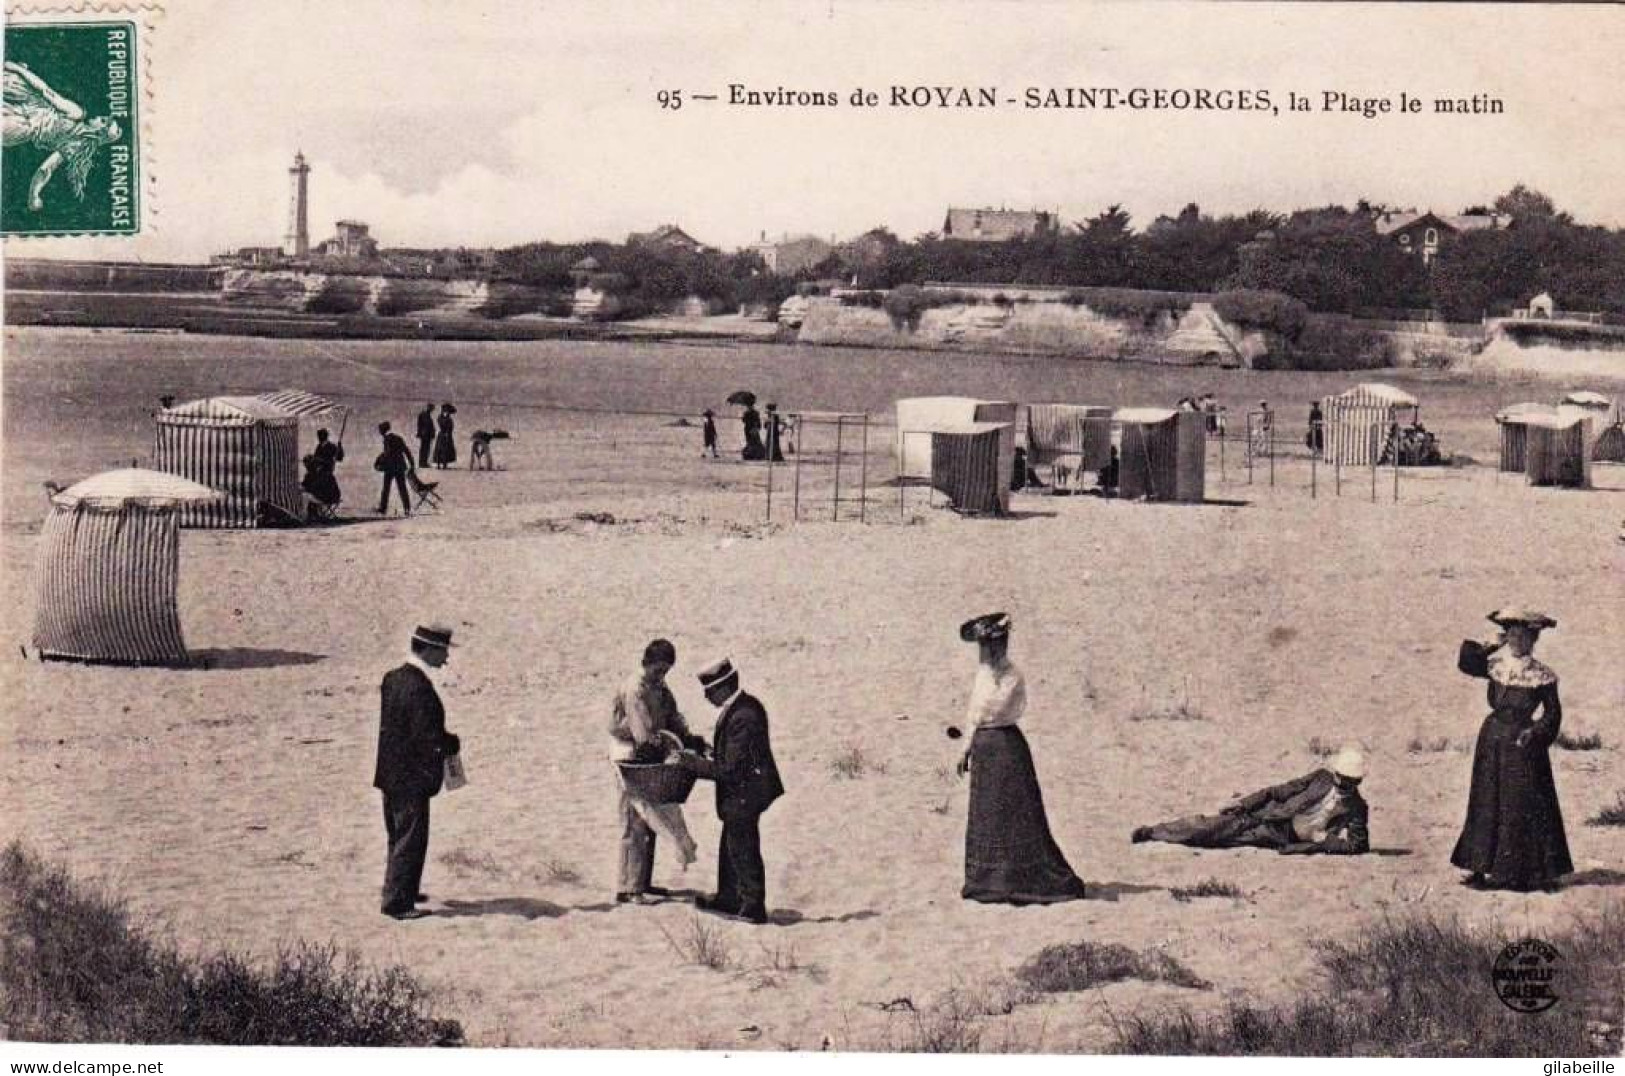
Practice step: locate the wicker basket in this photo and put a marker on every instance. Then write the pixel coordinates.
(657, 782)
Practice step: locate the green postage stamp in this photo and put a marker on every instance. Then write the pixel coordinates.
(72, 154)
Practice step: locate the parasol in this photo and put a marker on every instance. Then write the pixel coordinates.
(743, 398)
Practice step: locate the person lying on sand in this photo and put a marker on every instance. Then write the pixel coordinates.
(1321, 811)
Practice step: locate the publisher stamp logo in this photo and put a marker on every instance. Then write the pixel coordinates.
(72, 160)
(1525, 975)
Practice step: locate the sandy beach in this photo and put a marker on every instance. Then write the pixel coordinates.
(1175, 655)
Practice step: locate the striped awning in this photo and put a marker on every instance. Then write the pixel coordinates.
(135, 485)
(301, 403)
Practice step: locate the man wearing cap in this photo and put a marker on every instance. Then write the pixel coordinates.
(1321, 811)
(747, 782)
(412, 748)
(394, 461)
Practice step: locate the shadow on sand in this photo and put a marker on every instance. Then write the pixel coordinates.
(1600, 876)
(248, 657)
(522, 907)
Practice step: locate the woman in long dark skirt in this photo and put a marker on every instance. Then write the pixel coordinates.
(445, 448)
(1513, 837)
(1010, 855)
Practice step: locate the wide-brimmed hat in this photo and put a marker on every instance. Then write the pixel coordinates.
(717, 672)
(1520, 614)
(1348, 762)
(433, 635)
(708, 413)
(988, 626)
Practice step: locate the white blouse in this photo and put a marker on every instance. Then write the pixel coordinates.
(997, 696)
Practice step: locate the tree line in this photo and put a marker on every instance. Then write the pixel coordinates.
(1330, 258)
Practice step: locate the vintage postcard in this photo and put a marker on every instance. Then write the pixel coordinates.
(1020, 528)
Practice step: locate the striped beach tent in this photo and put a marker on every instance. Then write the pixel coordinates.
(968, 465)
(1163, 456)
(1357, 421)
(240, 445)
(108, 568)
(921, 415)
(1055, 430)
(1558, 451)
(1514, 423)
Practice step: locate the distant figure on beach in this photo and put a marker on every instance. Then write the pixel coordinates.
(1315, 439)
(445, 448)
(775, 432)
(709, 434)
(644, 722)
(321, 478)
(747, 779)
(393, 462)
(1320, 812)
(1010, 855)
(479, 451)
(751, 419)
(1513, 837)
(425, 434)
(413, 746)
(1262, 443)
(1107, 479)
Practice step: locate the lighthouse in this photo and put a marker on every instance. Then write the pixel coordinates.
(296, 244)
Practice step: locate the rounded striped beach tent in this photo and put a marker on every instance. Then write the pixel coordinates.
(108, 569)
(1356, 422)
(244, 447)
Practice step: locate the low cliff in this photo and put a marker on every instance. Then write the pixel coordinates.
(1192, 336)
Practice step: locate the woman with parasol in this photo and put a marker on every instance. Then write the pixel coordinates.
(1010, 855)
(752, 422)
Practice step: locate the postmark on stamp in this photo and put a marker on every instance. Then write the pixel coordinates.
(72, 133)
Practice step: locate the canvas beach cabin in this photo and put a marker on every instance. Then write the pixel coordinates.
(1514, 423)
(242, 446)
(1162, 454)
(919, 416)
(109, 566)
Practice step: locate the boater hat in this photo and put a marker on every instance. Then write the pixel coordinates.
(433, 635)
(717, 672)
(990, 626)
(1348, 762)
(1520, 614)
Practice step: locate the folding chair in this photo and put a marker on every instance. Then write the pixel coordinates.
(427, 494)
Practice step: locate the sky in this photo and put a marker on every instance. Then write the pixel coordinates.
(491, 124)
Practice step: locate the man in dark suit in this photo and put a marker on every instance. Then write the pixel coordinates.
(413, 745)
(747, 782)
(394, 461)
(426, 432)
(1320, 812)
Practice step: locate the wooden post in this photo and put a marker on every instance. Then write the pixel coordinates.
(801, 450)
(840, 430)
(863, 501)
(770, 486)
(1269, 440)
